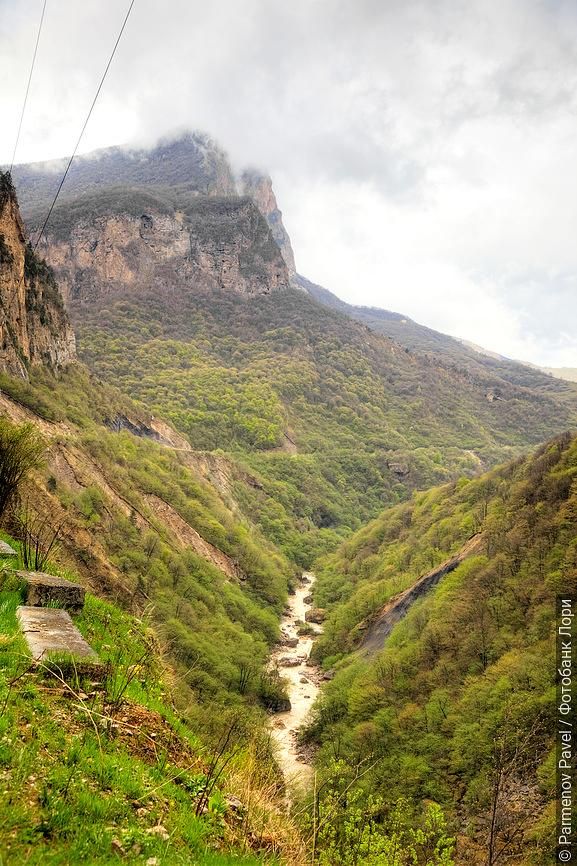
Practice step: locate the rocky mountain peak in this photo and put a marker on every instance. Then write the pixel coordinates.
(171, 217)
(34, 326)
(259, 187)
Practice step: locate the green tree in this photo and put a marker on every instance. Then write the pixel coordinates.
(21, 451)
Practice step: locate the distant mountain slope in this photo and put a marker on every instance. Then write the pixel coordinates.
(446, 350)
(567, 373)
(184, 301)
(458, 705)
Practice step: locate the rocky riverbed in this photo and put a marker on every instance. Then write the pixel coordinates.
(292, 658)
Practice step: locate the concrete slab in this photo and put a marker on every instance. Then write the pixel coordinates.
(43, 590)
(6, 550)
(50, 630)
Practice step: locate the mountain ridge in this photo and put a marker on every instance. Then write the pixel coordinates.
(293, 425)
(170, 301)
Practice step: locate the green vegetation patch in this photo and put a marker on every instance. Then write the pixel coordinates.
(458, 707)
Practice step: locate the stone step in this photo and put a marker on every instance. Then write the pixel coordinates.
(43, 590)
(50, 630)
(6, 550)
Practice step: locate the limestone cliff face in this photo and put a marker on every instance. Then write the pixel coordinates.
(34, 327)
(231, 241)
(213, 242)
(176, 206)
(259, 187)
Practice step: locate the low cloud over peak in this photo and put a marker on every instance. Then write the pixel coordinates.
(422, 152)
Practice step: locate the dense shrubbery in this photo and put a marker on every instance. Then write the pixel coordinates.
(458, 707)
(370, 422)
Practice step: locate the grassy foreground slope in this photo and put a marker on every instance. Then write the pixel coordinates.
(141, 523)
(99, 766)
(459, 706)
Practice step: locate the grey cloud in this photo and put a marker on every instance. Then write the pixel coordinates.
(443, 131)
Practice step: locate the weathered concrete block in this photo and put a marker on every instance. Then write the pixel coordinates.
(49, 630)
(43, 590)
(6, 550)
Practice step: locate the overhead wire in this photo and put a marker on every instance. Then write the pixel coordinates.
(85, 124)
(32, 65)
(5, 307)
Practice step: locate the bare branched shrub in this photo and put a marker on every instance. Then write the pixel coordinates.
(39, 539)
(21, 450)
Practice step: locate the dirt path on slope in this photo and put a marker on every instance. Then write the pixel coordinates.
(398, 607)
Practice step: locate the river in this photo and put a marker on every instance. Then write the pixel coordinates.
(302, 684)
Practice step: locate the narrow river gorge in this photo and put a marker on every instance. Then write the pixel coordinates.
(292, 658)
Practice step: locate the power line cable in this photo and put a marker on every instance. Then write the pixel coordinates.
(105, 73)
(4, 306)
(28, 86)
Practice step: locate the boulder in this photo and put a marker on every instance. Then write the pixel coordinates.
(279, 704)
(316, 614)
(399, 469)
(289, 662)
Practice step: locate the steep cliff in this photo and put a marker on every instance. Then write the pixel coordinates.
(259, 187)
(136, 239)
(189, 166)
(34, 327)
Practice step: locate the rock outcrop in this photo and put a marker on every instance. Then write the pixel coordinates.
(174, 214)
(232, 242)
(259, 187)
(221, 242)
(34, 326)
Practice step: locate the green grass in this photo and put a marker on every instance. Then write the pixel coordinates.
(462, 693)
(90, 768)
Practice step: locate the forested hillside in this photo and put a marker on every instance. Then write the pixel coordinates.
(458, 706)
(446, 350)
(336, 421)
(227, 431)
(180, 297)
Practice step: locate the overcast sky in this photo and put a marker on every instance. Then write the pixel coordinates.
(423, 153)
